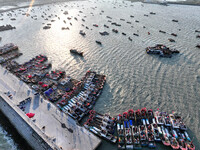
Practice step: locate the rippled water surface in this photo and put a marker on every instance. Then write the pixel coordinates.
(134, 79)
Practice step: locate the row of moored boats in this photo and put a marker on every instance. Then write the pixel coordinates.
(141, 128)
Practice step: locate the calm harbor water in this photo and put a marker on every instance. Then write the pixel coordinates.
(134, 79)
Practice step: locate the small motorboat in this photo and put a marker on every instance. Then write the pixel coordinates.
(82, 33)
(173, 34)
(174, 143)
(123, 33)
(135, 34)
(74, 51)
(198, 45)
(98, 42)
(129, 38)
(106, 26)
(152, 13)
(114, 30)
(162, 31)
(171, 40)
(95, 25)
(175, 20)
(197, 31)
(131, 16)
(198, 36)
(104, 33)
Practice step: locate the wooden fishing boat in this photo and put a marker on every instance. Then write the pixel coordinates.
(159, 118)
(128, 135)
(121, 137)
(174, 122)
(150, 136)
(182, 144)
(136, 137)
(174, 143)
(157, 132)
(143, 135)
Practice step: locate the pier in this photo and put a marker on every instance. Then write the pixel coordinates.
(49, 128)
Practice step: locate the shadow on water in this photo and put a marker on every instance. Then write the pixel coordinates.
(19, 142)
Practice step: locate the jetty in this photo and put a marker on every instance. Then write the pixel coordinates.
(34, 99)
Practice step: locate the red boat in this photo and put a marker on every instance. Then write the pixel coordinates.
(191, 146)
(183, 145)
(174, 143)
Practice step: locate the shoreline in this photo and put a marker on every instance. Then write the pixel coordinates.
(14, 5)
(192, 3)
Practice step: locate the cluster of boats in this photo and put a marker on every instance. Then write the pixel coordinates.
(6, 27)
(101, 125)
(162, 50)
(7, 52)
(8, 48)
(78, 105)
(144, 128)
(76, 98)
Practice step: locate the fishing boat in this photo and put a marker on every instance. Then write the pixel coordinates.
(128, 135)
(167, 120)
(159, 118)
(136, 137)
(98, 42)
(174, 143)
(173, 34)
(114, 30)
(174, 122)
(171, 40)
(150, 117)
(120, 134)
(144, 116)
(166, 141)
(182, 125)
(104, 33)
(198, 45)
(131, 114)
(174, 20)
(82, 33)
(182, 144)
(100, 133)
(138, 117)
(143, 135)
(150, 136)
(74, 51)
(190, 146)
(157, 132)
(162, 31)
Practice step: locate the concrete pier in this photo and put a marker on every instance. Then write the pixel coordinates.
(49, 128)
